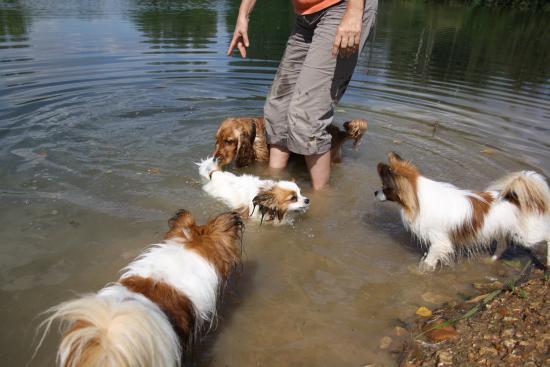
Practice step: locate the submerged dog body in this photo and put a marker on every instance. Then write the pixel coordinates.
(450, 220)
(243, 140)
(162, 300)
(274, 201)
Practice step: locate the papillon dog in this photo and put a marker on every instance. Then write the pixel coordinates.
(277, 202)
(161, 301)
(450, 220)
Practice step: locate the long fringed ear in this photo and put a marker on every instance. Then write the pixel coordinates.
(394, 157)
(245, 149)
(267, 204)
(181, 225)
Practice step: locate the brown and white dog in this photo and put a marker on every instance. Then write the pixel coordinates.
(448, 219)
(163, 298)
(277, 202)
(242, 140)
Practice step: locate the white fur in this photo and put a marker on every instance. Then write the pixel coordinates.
(444, 208)
(239, 191)
(131, 330)
(183, 269)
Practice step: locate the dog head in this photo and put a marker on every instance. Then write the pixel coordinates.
(399, 181)
(235, 141)
(215, 241)
(279, 199)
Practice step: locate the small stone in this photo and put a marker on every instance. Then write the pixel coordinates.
(444, 358)
(493, 285)
(399, 331)
(385, 342)
(509, 343)
(488, 350)
(433, 298)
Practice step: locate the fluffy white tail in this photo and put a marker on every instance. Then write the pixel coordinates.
(207, 166)
(115, 329)
(527, 189)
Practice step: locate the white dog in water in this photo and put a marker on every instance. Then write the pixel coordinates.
(264, 200)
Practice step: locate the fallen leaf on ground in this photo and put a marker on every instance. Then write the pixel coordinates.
(440, 334)
(424, 311)
(488, 151)
(477, 299)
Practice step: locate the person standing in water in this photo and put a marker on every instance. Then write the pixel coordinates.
(315, 70)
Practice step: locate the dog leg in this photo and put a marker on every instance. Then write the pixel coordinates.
(501, 247)
(441, 249)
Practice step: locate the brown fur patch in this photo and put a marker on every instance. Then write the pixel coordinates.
(274, 202)
(215, 241)
(399, 180)
(526, 196)
(353, 130)
(180, 225)
(241, 140)
(466, 233)
(175, 305)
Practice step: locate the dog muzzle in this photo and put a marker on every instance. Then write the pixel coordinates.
(379, 194)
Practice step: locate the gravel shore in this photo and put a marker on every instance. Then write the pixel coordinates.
(508, 328)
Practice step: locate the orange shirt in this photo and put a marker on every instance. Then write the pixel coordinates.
(303, 7)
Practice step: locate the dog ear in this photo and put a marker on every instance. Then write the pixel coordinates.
(182, 224)
(245, 149)
(394, 157)
(267, 203)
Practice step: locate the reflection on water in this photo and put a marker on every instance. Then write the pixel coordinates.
(105, 105)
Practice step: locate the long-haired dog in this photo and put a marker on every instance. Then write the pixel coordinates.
(451, 220)
(274, 201)
(163, 299)
(242, 140)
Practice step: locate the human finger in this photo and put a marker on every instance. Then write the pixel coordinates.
(242, 49)
(336, 44)
(232, 44)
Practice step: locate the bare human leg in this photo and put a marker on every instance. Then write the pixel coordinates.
(278, 157)
(319, 169)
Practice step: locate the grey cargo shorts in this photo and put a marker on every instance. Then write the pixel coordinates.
(309, 81)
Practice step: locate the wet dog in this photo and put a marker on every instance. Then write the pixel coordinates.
(448, 219)
(163, 299)
(277, 202)
(242, 140)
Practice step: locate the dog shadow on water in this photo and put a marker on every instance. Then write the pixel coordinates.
(385, 219)
(235, 292)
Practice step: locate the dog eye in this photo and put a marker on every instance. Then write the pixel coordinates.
(294, 198)
(226, 141)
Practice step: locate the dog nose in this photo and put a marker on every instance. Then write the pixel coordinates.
(306, 200)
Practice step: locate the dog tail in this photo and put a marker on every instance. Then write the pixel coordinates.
(207, 166)
(526, 189)
(355, 129)
(113, 329)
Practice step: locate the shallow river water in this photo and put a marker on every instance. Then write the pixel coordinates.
(105, 105)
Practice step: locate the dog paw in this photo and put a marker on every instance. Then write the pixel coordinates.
(427, 266)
